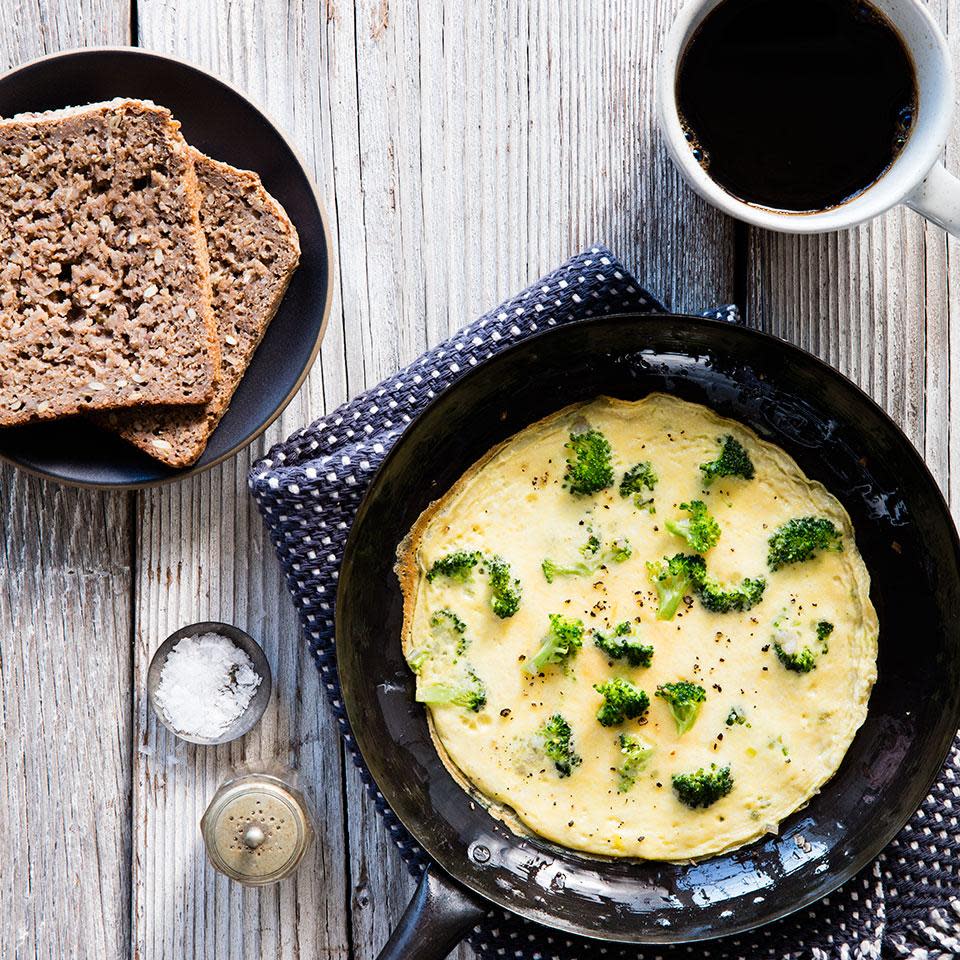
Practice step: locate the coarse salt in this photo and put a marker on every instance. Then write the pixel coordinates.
(206, 683)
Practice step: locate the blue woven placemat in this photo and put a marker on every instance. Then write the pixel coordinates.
(308, 488)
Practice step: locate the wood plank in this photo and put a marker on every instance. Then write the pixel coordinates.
(65, 748)
(64, 655)
(941, 397)
(879, 303)
(491, 142)
(202, 552)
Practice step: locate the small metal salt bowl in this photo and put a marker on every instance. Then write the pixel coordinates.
(251, 716)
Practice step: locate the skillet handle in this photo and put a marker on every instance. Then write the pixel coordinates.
(438, 917)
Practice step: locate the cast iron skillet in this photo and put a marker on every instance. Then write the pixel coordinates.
(904, 531)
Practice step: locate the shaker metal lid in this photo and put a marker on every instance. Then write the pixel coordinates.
(256, 829)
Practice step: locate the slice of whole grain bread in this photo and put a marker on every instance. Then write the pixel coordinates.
(254, 250)
(104, 278)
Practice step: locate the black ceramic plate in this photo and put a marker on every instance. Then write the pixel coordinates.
(904, 531)
(219, 121)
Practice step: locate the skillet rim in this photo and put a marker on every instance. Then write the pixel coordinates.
(558, 923)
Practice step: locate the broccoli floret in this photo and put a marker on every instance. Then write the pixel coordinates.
(684, 574)
(448, 680)
(700, 529)
(457, 566)
(447, 642)
(558, 745)
(470, 692)
(563, 640)
(623, 644)
(447, 626)
(789, 648)
(417, 658)
(620, 550)
(588, 469)
(674, 579)
(703, 788)
(799, 539)
(636, 755)
(506, 589)
(733, 461)
(553, 570)
(736, 717)
(621, 701)
(593, 559)
(799, 661)
(684, 700)
(635, 481)
(719, 599)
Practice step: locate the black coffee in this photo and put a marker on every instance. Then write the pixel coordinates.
(796, 104)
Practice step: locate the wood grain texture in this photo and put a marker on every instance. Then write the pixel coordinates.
(64, 654)
(202, 554)
(65, 747)
(462, 150)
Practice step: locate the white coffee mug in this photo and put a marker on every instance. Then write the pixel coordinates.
(917, 176)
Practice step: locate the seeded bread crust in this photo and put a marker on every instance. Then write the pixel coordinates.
(254, 251)
(105, 297)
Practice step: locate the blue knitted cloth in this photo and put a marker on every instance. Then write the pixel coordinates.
(308, 488)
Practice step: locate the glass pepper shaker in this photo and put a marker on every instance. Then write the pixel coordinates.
(256, 829)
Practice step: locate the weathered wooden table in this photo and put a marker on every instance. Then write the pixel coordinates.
(462, 150)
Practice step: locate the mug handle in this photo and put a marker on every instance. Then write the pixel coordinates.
(938, 199)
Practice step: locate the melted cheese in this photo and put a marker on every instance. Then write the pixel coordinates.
(513, 503)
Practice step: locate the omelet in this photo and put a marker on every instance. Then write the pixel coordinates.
(640, 663)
